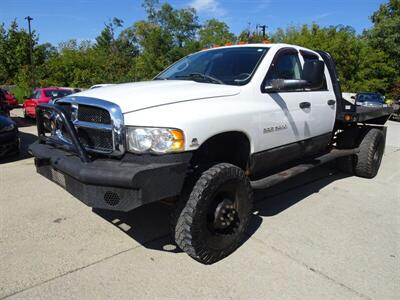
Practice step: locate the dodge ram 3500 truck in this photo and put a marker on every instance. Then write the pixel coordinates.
(207, 131)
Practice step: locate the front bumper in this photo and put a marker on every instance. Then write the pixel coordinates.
(109, 183)
(101, 182)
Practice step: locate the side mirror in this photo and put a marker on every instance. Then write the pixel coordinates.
(353, 97)
(313, 78)
(313, 72)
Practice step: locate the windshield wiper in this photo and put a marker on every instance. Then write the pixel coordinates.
(201, 75)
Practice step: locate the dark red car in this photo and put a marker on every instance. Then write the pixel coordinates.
(10, 98)
(42, 95)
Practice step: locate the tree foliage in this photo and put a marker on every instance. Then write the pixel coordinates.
(360, 66)
(385, 36)
(120, 53)
(215, 32)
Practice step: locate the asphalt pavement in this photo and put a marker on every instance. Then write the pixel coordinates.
(321, 235)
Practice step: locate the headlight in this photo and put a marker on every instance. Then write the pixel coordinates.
(157, 140)
(10, 127)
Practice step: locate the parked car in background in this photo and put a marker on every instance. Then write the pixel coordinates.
(9, 139)
(43, 95)
(10, 98)
(370, 99)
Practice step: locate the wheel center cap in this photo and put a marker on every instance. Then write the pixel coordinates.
(225, 215)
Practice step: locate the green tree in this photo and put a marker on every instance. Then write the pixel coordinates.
(154, 44)
(164, 37)
(385, 36)
(107, 40)
(215, 32)
(14, 51)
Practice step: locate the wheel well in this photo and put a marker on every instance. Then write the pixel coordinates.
(229, 147)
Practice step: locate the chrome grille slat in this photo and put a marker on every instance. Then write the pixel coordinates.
(79, 123)
(106, 134)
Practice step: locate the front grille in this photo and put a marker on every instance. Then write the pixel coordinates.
(97, 122)
(93, 114)
(97, 139)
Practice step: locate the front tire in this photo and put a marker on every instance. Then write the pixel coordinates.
(212, 223)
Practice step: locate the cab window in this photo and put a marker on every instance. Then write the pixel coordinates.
(286, 66)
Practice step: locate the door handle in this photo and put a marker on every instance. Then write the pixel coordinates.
(304, 105)
(331, 102)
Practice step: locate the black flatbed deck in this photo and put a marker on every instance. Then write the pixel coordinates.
(370, 113)
(361, 114)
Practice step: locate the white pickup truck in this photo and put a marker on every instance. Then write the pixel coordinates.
(206, 132)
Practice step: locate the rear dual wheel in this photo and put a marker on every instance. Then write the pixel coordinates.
(367, 161)
(212, 222)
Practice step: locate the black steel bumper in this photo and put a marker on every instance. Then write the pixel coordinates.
(110, 183)
(115, 184)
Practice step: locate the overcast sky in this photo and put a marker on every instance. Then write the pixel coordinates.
(60, 20)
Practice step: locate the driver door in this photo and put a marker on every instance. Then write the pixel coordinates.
(285, 118)
(291, 109)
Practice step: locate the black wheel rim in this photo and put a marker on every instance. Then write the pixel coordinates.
(226, 203)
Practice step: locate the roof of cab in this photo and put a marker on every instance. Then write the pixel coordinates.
(259, 45)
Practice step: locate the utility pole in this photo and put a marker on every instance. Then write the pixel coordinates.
(30, 52)
(263, 29)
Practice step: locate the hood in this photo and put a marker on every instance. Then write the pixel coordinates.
(146, 94)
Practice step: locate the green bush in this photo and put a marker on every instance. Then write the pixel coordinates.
(20, 93)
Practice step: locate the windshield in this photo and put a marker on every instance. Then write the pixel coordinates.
(57, 93)
(369, 98)
(233, 66)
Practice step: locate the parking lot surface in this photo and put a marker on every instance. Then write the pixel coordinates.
(320, 235)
